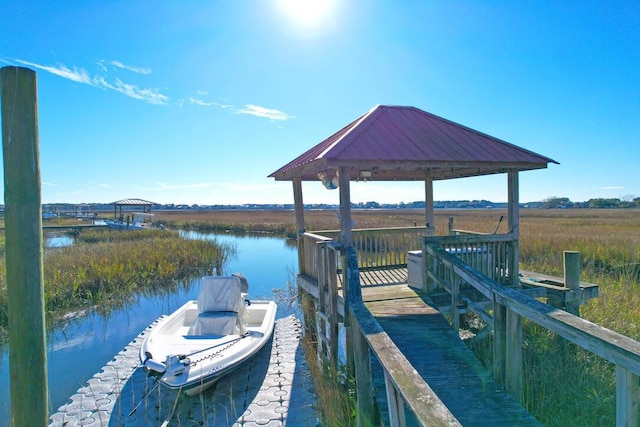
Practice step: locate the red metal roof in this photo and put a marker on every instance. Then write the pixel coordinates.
(401, 143)
(133, 202)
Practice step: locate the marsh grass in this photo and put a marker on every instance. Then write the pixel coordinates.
(563, 385)
(337, 404)
(106, 270)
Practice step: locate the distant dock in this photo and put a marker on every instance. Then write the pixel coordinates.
(273, 388)
(69, 227)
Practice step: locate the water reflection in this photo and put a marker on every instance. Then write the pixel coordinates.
(81, 345)
(57, 241)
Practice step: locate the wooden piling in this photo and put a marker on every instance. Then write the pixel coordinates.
(571, 261)
(23, 239)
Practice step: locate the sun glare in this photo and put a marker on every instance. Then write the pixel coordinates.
(307, 12)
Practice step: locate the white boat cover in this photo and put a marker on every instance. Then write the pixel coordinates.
(221, 309)
(244, 283)
(220, 293)
(218, 323)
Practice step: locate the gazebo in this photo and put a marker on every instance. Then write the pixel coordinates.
(131, 204)
(398, 143)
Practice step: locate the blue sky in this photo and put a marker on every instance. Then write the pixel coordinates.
(197, 102)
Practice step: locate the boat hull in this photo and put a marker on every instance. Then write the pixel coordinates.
(191, 363)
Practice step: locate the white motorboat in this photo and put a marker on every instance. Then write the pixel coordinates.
(139, 221)
(206, 339)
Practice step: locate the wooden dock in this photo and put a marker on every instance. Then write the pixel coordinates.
(446, 364)
(273, 388)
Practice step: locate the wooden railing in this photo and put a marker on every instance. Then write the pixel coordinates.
(319, 266)
(383, 247)
(451, 262)
(322, 259)
(490, 254)
(308, 253)
(510, 306)
(405, 388)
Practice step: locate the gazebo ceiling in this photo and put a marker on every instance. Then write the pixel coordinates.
(395, 143)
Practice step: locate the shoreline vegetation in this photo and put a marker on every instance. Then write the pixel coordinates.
(107, 270)
(564, 385)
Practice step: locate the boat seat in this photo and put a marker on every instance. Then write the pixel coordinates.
(220, 293)
(218, 323)
(221, 309)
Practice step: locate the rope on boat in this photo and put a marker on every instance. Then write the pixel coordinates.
(226, 345)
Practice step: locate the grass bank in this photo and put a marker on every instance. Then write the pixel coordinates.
(105, 270)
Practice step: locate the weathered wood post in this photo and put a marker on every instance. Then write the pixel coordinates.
(299, 210)
(23, 234)
(513, 344)
(571, 262)
(357, 345)
(430, 221)
(627, 398)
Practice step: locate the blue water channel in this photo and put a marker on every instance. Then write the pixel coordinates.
(78, 350)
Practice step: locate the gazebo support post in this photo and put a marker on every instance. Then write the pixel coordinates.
(299, 208)
(428, 205)
(513, 359)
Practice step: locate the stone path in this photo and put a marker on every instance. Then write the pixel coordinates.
(274, 388)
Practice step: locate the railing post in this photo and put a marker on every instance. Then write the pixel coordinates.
(513, 359)
(332, 281)
(322, 298)
(428, 264)
(499, 341)
(627, 398)
(395, 403)
(366, 413)
(23, 235)
(455, 301)
(571, 262)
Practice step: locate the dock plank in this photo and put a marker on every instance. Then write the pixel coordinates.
(443, 360)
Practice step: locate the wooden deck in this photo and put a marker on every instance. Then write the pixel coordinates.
(384, 276)
(438, 354)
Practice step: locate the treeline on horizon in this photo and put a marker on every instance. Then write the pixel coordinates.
(550, 203)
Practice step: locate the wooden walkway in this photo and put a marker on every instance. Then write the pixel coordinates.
(439, 355)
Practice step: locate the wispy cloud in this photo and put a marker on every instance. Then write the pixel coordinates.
(249, 109)
(80, 75)
(139, 70)
(149, 95)
(611, 187)
(152, 96)
(268, 113)
(197, 101)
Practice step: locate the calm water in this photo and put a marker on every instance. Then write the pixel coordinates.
(76, 352)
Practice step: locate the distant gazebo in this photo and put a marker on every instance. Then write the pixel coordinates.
(138, 205)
